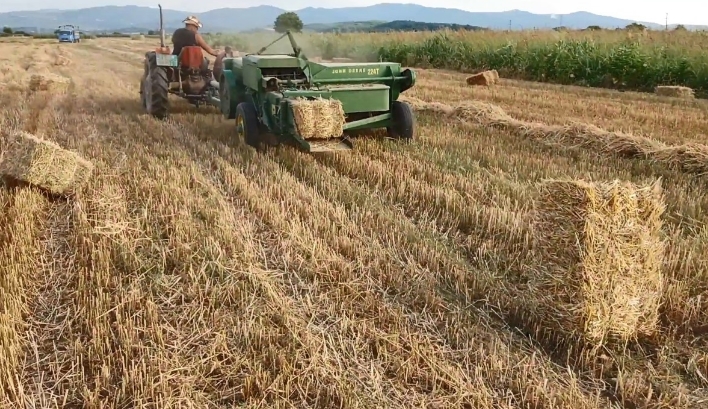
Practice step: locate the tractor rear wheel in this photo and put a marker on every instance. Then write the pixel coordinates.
(143, 100)
(247, 124)
(403, 121)
(155, 88)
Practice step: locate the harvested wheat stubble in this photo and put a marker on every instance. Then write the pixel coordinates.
(43, 164)
(599, 255)
(48, 82)
(689, 157)
(61, 60)
(484, 78)
(318, 118)
(674, 91)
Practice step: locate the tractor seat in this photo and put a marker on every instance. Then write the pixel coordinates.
(192, 57)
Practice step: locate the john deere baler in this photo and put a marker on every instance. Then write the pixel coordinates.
(281, 98)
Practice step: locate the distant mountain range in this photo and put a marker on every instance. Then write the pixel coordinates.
(125, 18)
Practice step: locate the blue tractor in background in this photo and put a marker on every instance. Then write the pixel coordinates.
(68, 34)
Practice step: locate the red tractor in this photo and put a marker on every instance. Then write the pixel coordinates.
(186, 75)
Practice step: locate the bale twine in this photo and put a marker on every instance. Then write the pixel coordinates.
(48, 82)
(674, 91)
(600, 248)
(44, 164)
(486, 78)
(137, 37)
(318, 118)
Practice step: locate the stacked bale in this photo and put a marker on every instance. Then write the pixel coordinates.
(598, 275)
(674, 91)
(486, 78)
(318, 118)
(41, 163)
(137, 37)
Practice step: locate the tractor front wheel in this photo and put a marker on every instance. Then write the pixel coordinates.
(403, 121)
(155, 88)
(247, 124)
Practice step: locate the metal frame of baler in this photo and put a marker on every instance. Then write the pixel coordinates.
(380, 120)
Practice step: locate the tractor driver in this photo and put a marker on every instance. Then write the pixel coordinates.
(189, 36)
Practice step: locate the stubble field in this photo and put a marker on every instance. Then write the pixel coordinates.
(193, 272)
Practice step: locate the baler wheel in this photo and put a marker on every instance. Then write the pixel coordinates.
(247, 124)
(403, 121)
(225, 98)
(155, 88)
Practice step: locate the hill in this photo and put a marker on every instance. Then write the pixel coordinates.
(242, 19)
(377, 26)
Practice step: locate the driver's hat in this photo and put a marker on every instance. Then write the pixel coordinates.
(193, 20)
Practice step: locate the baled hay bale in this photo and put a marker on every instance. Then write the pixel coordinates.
(483, 78)
(674, 91)
(600, 277)
(137, 37)
(43, 164)
(48, 82)
(318, 118)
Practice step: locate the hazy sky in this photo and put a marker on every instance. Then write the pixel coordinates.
(680, 11)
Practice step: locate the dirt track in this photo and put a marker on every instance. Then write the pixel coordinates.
(194, 273)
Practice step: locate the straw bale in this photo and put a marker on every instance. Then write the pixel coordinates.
(48, 82)
(318, 118)
(598, 276)
(43, 164)
(674, 91)
(137, 37)
(483, 78)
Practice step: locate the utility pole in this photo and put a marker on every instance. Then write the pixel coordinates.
(509, 25)
(667, 21)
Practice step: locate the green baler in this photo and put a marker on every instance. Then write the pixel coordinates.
(258, 90)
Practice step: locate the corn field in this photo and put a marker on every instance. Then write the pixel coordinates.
(636, 61)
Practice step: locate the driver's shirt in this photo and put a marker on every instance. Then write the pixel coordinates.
(181, 38)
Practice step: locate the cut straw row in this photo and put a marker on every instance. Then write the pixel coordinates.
(689, 157)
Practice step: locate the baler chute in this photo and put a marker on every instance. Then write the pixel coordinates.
(271, 96)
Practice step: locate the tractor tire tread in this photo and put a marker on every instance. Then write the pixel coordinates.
(159, 85)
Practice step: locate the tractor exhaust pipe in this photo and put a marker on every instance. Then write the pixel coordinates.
(162, 29)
